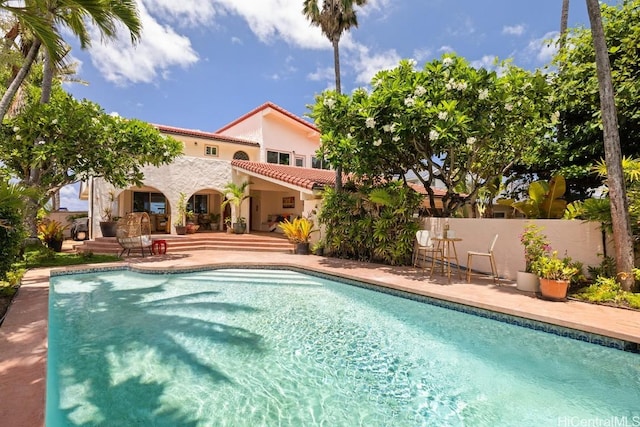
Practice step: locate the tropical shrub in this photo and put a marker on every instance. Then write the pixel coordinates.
(371, 224)
(12, 232)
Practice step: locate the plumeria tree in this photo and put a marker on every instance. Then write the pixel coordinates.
(449, 122)
(76, 140)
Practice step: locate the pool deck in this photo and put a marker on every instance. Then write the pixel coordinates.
(23, 335)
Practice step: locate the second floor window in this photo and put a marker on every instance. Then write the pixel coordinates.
(318, 163)
(278, 158)
(211, 150)
(300, 161)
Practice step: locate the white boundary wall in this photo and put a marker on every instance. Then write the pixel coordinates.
(580, 240)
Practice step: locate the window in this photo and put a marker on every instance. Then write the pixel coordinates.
(278, 158)
(300, 161)
(154, 203)
(211, 150)
(240, 155)
(198, 203)
(317, 163)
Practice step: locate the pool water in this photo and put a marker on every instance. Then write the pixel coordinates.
(282, 348)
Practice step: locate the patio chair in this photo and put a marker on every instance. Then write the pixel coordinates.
(424, 245)
(134, 232)
(488, 254)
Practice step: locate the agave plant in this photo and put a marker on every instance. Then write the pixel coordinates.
(297, 231)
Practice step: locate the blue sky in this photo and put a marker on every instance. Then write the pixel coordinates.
(203, 63)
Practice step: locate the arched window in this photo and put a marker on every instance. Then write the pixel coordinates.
(240, 155)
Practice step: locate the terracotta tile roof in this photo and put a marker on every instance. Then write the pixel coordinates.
(311, 179)
(264, 107)
(438, 192)
(204, 135)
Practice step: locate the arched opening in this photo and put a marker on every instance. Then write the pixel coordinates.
(240, 155)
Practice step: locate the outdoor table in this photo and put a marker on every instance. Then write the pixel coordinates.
(446, 248)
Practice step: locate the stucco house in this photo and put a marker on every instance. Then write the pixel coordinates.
(270, 147)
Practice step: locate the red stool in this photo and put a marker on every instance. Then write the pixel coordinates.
(159, 247)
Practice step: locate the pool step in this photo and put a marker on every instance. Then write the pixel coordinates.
(261, 242)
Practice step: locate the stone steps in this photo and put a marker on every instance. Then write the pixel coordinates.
(261, 242)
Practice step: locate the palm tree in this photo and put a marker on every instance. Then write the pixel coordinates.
(72, 14)
(235, 195)
(612, 154)
(336, 17)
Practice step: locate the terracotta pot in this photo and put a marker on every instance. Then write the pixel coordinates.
(555, 290)
(527, 282)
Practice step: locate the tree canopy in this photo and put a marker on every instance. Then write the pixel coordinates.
(77, 139)
(580, 146)
(448, 122)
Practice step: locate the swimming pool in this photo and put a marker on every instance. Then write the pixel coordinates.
(274, 347)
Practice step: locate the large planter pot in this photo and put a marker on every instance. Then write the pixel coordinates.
(554, 290)
(302, 248)
(181, 229)
(108, 228)
(239, 228)
(55, 245)
(527, 282)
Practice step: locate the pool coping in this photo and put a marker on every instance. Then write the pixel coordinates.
(23, 336)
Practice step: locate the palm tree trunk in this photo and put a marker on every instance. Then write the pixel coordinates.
(564, 20)
(17, 81)
(612, 153)
(47, 78)
(336, 66)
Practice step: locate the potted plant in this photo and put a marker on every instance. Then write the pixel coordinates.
(182, 213)
(535, 245)
(298, 232)
(555, 275)
(235, 194)
(215, 221)
(51, 232)
(192, 227)
(227, 223)
(240, 226)
(109, 223)
(318, 248)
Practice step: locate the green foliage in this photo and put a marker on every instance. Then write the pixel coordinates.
(181, 207)
(554, 268)
(545, 199)
(235, 195)
(606, 290)
(68, 140)
(373, 224)
(449, 121)
(577, 99)
(51, 231)
(40, 256)
(535, 245)
(12, 232)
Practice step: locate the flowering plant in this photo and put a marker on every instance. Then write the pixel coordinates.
(535, 245)
(554, 268)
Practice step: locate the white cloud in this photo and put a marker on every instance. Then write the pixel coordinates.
(163, 47)
(487, 61)
(421, 55)
(366, 65)
(543, 48)
(326, 73)
(69, 198)
(159, 49)
(446, 49)
(513, 30)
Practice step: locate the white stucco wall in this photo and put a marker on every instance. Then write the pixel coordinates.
(580, 240)
(186, 174)
(250, 128)
(290, 138)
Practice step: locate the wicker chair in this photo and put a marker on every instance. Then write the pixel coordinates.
(134, 232)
